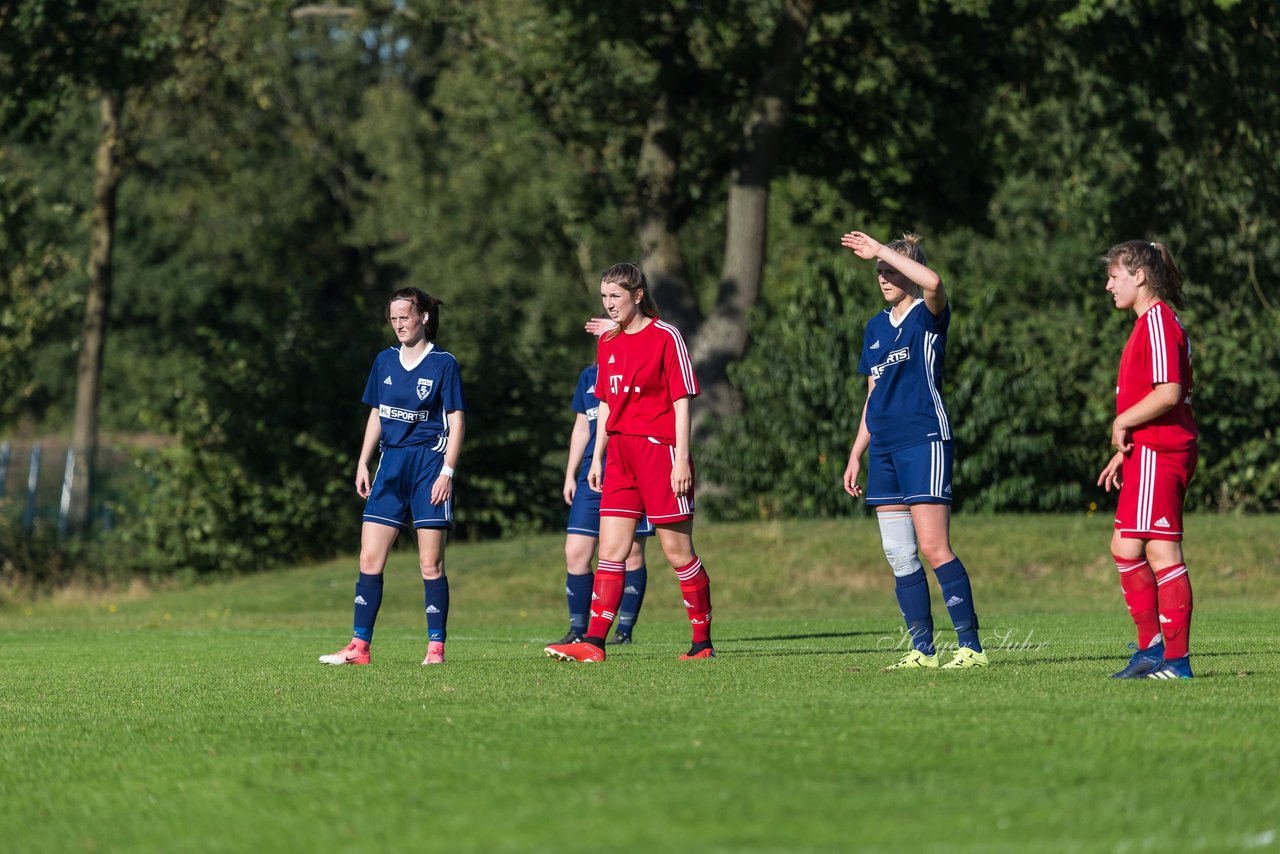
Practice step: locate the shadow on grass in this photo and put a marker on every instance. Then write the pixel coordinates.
(877, 632)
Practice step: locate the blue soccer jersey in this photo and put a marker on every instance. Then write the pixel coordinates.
(905, 358)
(586, 403)
(414, 400)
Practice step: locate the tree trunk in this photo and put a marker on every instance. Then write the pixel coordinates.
(661, 253)
(84, 440)
(722, 339)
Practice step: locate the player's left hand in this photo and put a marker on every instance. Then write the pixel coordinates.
(863, 245)
(441, 489)
(681, 478)
(1120, 437)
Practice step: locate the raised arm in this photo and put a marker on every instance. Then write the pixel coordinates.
(929, 282)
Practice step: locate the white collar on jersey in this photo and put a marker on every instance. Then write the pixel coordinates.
(430, 346)
(898, 321)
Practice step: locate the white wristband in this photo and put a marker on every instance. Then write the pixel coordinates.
(447, 471)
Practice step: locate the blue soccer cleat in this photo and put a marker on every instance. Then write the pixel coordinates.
(1142, 662)
(1173, 668)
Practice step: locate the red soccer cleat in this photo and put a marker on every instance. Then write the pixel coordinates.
(435, 653)
(695, 653)
(580, 651)
(356, 652)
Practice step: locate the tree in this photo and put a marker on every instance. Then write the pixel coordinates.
(60, 52)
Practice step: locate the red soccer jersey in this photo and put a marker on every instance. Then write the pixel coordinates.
(640, 376)
(1158, 351)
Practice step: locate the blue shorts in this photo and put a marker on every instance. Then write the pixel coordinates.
(401, 493)
(584, 514)
(920, 474)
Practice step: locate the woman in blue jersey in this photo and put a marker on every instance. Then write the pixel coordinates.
(416, 421)
(906, 429)
(583, 530)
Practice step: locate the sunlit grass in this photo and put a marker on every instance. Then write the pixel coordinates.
(198, 719)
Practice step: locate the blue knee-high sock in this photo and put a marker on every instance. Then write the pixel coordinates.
(577, 592)
(913, 599)
(368, 601)
(959, 599)
(435, 594)
(632, 598)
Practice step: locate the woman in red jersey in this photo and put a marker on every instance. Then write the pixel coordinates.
(644, 384)
(1154, 435)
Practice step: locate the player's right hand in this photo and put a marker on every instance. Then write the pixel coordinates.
(598, 326)
(864, 245)
(1111, 474)
(595, 477)
(362, 481)
(570, 489)
(851, 473)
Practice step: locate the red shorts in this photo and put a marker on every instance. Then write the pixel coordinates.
(637, 481)
(1153, 485)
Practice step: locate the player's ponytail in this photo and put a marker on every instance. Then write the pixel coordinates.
(423, 303)
(630, 278)
(1163, 276)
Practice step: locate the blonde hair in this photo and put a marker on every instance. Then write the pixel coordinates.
(909, 245)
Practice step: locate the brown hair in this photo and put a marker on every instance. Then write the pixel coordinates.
(630, 278)
(423, 303)
(1163, 276)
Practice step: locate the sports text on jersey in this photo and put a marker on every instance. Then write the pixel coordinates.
(893, 358)
(402, 414)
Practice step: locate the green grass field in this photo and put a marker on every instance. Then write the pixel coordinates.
(199, 720)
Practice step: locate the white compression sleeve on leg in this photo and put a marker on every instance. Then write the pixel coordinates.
(898, 536)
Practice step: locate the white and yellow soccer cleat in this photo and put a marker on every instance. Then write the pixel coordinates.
(967, 658)
(913, 660)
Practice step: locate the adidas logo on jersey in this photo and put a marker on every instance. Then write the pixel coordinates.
(954, 600)
(1162, 522)
(875, 346)
(360, 601)
(387, 381)
(612, 360)
(432, 609)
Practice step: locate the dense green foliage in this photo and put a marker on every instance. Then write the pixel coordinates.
(286, 171)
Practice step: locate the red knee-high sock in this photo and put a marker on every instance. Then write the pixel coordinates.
(695, 586)
(606, 594)
(1139, 585)
(1175, 609)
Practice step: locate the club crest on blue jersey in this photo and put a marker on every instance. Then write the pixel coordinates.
(424, 387)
